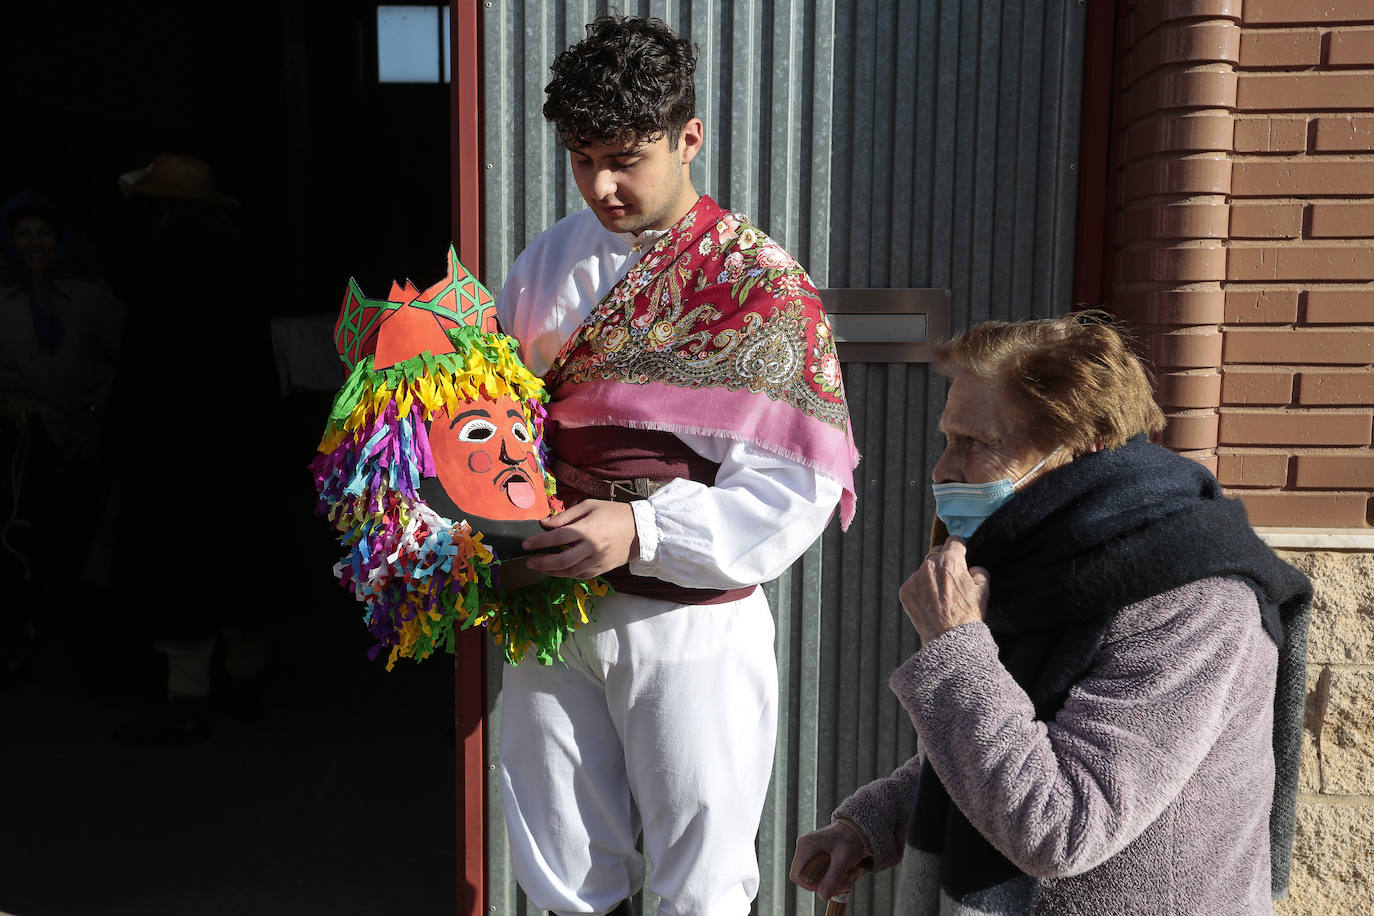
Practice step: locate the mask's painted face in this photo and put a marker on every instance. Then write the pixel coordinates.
(486, 461)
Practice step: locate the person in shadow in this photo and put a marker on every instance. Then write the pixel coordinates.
(189, 516)
(60, 335)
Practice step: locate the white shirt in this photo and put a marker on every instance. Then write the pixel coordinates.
(763, 510)
(65, 387)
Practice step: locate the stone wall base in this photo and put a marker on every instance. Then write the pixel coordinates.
(1333, 849)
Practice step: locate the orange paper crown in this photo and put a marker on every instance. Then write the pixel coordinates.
(409, 322)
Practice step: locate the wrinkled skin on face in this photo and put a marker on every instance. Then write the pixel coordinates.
(486, 461)
(985, 435)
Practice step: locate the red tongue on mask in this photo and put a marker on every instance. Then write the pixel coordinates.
(519, 491)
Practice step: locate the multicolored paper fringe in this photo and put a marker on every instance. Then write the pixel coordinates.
(420, 575)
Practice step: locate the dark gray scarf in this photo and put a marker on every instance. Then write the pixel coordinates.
(1070, 551)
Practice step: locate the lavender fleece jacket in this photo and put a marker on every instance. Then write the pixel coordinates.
(1148, 793)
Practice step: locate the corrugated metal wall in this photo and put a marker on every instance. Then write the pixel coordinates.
(929, 143)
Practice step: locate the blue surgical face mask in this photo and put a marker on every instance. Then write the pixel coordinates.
(964, 506)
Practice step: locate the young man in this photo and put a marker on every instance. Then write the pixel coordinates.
(701, 442)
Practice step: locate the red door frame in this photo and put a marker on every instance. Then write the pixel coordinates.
(1095, 234)
(470, 657)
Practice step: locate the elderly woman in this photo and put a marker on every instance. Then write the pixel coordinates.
(1108, 694)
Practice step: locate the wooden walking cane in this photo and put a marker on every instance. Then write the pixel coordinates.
(814, 869)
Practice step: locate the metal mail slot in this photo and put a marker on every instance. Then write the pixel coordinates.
(886, 325)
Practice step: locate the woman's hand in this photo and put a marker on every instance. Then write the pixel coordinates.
(848, 856)
(944, 592)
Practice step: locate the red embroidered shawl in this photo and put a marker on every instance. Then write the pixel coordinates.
(715, 305)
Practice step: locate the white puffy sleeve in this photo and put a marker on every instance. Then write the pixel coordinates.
(760, 515)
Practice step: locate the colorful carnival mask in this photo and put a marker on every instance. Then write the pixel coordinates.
(432, 469)
(485, 463)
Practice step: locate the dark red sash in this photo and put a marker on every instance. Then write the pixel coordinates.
(619, 453)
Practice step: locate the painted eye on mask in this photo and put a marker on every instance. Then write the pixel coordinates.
(521, 432)
(477, 430)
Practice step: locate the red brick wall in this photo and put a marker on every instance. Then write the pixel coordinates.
(1243, 188)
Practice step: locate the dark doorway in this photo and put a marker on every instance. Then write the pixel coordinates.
(337, 795)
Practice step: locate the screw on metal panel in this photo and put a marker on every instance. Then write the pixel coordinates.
(1073, 165)
(492, 767)
(488, 166)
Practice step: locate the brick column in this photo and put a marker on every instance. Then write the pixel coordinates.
(1172, 177)
(1298, 390)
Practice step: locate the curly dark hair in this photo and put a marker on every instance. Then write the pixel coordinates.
(629, 79)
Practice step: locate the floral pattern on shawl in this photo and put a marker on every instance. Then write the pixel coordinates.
(720, 306)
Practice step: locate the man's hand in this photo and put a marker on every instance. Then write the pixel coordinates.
(849, 859)
(945, 592)
(597, 536)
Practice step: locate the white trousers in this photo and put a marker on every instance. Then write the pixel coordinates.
(662, 721)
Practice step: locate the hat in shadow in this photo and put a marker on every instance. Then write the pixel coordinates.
(185, 179)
